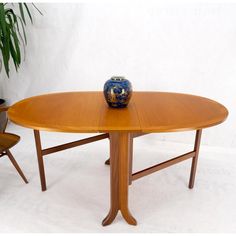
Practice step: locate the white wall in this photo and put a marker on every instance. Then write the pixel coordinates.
(182, 48)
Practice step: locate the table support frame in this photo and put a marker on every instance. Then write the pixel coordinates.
(121, 176)
(43, 152)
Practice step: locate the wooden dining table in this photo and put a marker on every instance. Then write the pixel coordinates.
(147, 112)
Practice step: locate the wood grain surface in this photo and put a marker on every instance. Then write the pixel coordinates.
(88, 112)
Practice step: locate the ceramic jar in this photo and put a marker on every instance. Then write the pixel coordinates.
(117, 91)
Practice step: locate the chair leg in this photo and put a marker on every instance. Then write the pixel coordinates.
(15, 164)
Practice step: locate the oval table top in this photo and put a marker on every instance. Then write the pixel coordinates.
(87, 112)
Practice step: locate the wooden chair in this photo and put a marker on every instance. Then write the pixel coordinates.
(7, 141)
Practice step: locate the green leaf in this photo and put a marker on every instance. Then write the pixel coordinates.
(19, 33)
(12, 27)
(27, 9)
(17, 47)
(14, 55)
(2, 19)
(37, 9)
(23, 29)
(22, 12)
(11, 13)
(5, 48)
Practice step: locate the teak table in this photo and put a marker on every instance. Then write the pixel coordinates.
(148, 112)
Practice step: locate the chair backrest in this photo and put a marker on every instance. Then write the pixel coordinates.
(3, 118)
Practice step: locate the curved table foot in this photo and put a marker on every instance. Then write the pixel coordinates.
(110, 217)
(128, 217)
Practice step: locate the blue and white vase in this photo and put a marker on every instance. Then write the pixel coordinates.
(117, 92)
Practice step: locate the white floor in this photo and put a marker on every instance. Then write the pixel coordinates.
(77, 198)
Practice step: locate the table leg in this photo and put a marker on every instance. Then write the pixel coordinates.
(40, 160)
(195, 158)
(119, 177)
(107, 162)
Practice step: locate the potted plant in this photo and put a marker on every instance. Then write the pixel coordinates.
(13, 19)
